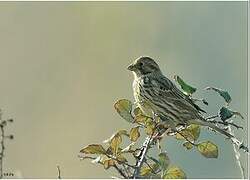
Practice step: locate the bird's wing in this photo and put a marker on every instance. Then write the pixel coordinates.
(170, 91)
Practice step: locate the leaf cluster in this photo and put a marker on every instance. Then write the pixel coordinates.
(130, 157)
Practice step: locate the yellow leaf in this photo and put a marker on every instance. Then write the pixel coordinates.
(121, 159)
(187, 145)
(93, 149)
(108, 163)
(191, 133)
(124, 108)
(195, 130)
(120, 132)
(137, 111)
(134, 134)
(174, 173)
(115, 143)
(146, 170)
(140, 118)
(208, 149)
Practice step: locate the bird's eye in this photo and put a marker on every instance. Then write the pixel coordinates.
(140, 64)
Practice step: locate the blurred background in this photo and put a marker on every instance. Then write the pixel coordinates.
(63, 65)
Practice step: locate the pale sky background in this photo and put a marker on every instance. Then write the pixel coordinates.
(63, 65)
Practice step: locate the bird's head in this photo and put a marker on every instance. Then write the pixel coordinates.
(144, 65)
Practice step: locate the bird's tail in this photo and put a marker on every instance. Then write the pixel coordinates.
(203, 122)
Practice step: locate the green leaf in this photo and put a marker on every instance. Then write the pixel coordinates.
(134, 134)
(174, 173)
(164, 161)
(187, 145)
(184, 86)
(208, 149)
(93, 149)
(222, 93)
(226, 113)
(124, 108)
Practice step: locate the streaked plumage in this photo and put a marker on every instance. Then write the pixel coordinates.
(156, 95)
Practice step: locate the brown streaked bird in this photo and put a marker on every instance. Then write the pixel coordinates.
(156, 95)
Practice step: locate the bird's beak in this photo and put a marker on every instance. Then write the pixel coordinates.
(131, 67)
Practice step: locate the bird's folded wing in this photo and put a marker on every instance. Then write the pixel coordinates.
(170, 92)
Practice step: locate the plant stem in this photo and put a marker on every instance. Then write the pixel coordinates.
(120, 171)
(142, 156)
(59, 172)
(2, 146)
(237, 155)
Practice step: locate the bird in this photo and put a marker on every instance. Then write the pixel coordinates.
(158, 96)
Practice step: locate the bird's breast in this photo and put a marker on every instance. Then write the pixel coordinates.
(144, 104)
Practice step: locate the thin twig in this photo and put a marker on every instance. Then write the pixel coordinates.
(126, 170)
(237, 155)
(212, 117)
(2, 146)
(114, 158)
(227, 123)
(59, 172)
(120, 171)
(187, 139)
(99, 162)
(150, 167)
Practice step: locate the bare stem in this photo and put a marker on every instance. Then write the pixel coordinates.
(187, 139)
(227, 124)
(212, 117)
(59, 172)
(120, 171)
(142, 156)
(237, 156)
(2, 146)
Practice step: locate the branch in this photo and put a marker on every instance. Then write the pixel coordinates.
(59, 172)
(145, 147)
(120, 171)
(99, 162)
(2, 150)
(187, 139)
(150, 167)
(2, 145)
(237, 156)
(227, 123)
